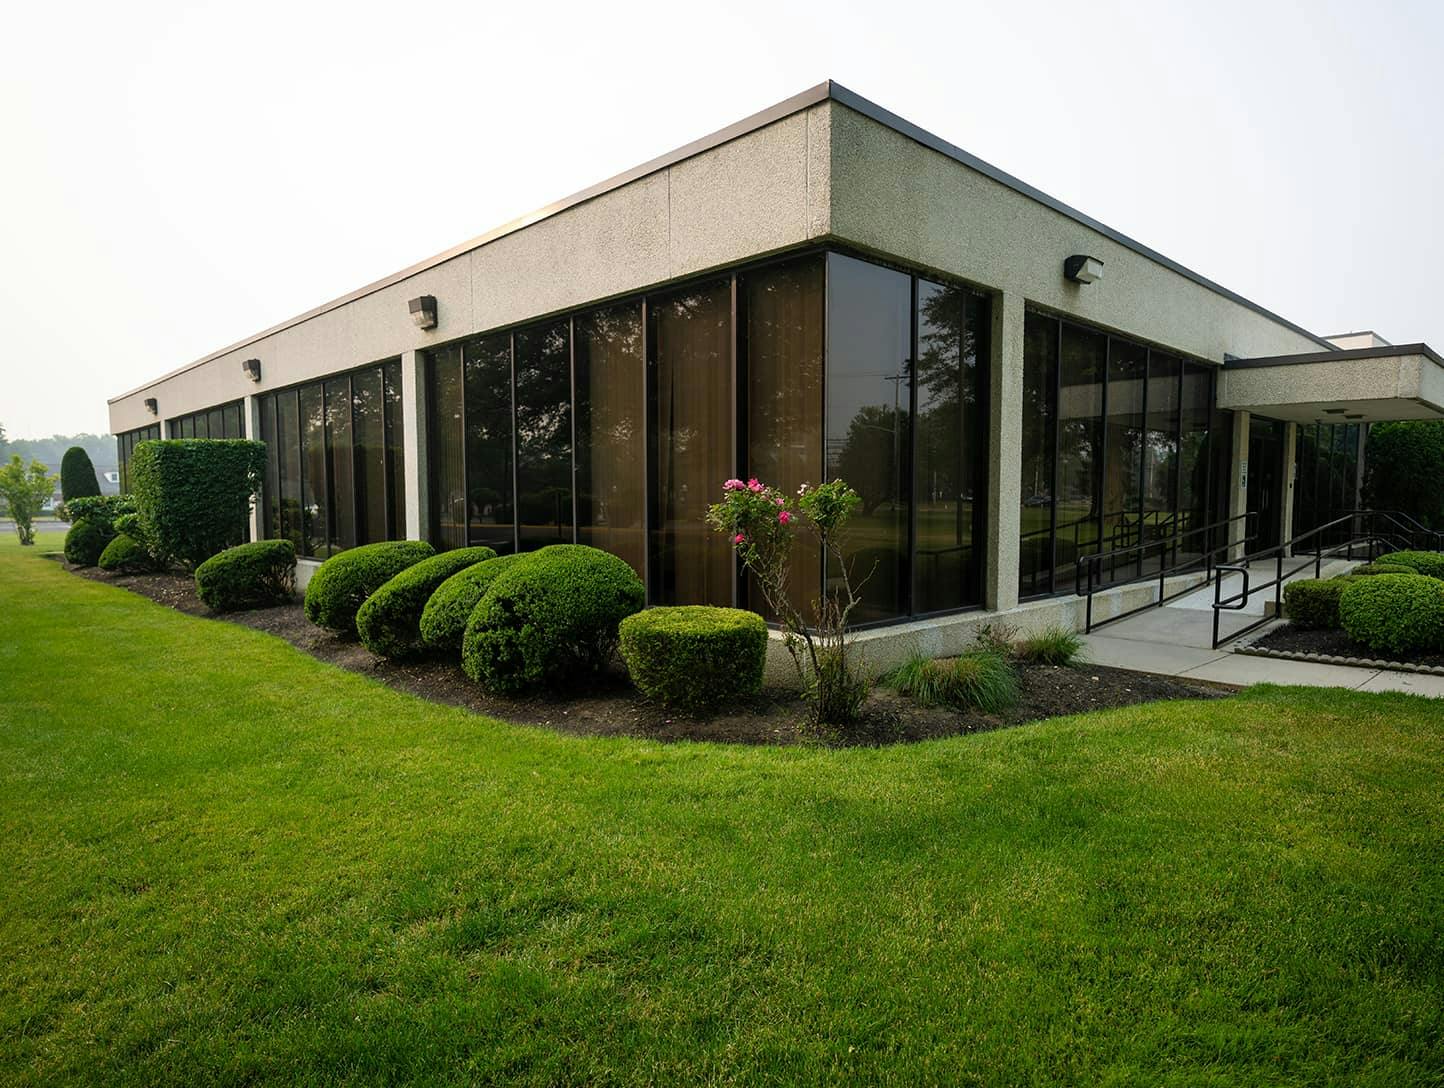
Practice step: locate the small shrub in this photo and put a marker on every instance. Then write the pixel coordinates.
(194, 495)
(1430, 563)
(341, 585)
(104, 509)
(26, 491)
(694, 655)
(389, 623)
(1315, 603)
(126, 555)
(86, 540)
(77, 475)
(255, 575)
(1380, 567)
(551, 619)
(978, 680)
(443, 620)
(1053, 646)
(997, 637)
(1395, 613)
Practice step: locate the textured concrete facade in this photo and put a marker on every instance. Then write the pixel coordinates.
(1403, 385)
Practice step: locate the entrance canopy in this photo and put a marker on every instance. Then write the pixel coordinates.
(1363, 385)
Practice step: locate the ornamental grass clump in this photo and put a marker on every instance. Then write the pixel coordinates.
(762, 523)
(977, 680)
(1051, 646)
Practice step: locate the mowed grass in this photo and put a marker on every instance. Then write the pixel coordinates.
(225, 862)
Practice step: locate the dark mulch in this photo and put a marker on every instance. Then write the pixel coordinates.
(612, 707)
(1295, 639)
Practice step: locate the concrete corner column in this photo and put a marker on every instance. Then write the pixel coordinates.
(251, 421)
(413, 445)
(1291, 468)
(1238, 485)
(1005, 452)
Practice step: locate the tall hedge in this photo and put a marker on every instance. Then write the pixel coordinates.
(194, 495)
(77, 475)
(1403, 464)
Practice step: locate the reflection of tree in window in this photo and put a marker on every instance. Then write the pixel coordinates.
(544, 435)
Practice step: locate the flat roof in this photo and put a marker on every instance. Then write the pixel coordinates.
(1379, 351)
(828, 90)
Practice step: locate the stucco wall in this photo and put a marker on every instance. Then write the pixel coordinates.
(892, 195)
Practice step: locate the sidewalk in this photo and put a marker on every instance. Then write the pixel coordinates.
(1176, 640)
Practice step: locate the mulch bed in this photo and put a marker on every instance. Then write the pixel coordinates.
(1292, 638)
(612, 707)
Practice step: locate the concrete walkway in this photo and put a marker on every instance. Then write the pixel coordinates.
(1176, 640)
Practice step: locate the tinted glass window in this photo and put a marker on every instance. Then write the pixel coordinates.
(951, 437)
(487, 368)
(690, 341)
(868, 423)
(544, 436)
(783, 334)
(611, 432)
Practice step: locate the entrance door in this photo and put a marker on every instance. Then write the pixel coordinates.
(1265, 479)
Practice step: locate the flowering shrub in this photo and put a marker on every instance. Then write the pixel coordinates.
(762, 523)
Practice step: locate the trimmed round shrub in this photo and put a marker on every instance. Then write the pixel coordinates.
(694, 655)
(1378, 567)
(1430, 563)
(255, 575)
(389, 623)
(125, 555)
(341, 585)
(443, 620)
(1314, 602)
(77, 475)
(551, 619)
(1395, 613)
(86, 540)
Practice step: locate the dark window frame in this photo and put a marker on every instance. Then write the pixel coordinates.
(734, 274)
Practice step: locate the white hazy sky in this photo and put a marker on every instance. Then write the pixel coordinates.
(176, 176)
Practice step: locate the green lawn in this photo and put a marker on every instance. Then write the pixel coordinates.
(226, 862)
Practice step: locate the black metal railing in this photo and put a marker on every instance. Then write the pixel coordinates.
(1375, 531)
(1217, 542)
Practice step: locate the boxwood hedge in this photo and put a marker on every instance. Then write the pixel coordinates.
(86, 540)
(255, 575)
(1315, 602)
(389, 623)
(551, 619)
(1430, 563)
(1395, 613)
(194, 495)
(694, 655)
(126, 555)
(342, 583)
(443, 620)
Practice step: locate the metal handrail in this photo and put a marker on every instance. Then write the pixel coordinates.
(1094, 564)
(1370, 535)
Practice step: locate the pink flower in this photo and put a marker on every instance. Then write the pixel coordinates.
(778, 500)
(753, 486)
(734, 485)
(739, 539)
(783, 517)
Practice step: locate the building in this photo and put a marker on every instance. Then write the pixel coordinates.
(820, 289)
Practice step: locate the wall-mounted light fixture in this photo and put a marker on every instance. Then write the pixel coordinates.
(1081, 268)
(151, 406)
(423, 311)
(251, 368)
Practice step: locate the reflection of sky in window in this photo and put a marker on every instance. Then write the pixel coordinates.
(870, 329)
